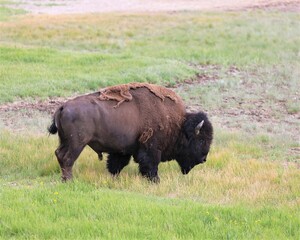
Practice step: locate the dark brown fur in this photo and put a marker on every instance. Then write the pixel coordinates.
(146, 127)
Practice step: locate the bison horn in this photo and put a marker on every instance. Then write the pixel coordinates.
(198, 127)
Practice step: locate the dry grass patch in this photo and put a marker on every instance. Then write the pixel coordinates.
(95, 32)
(232, 175)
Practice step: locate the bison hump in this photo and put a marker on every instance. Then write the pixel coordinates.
(121, 93)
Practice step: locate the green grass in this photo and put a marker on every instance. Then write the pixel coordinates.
(77, 211)
(248, 189)
(44, 72)
(229, 38)
(240, 170)
(45, 56)
(7, 13)
(240, 193)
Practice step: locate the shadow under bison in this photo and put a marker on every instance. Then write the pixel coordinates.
(146, 121)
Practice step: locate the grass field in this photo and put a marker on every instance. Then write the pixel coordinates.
(241, 67)
(45, 56)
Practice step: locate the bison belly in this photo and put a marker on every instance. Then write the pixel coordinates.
(116, 130)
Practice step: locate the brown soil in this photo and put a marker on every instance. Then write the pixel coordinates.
(48, 106)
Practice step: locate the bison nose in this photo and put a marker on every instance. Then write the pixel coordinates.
(185, 170)
(203, 159)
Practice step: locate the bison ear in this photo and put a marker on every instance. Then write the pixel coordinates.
(198, 127)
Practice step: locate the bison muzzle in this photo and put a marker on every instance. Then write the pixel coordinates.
(143, 121)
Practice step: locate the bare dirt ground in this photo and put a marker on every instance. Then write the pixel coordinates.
(97, 6)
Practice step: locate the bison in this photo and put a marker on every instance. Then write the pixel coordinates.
(145, 121)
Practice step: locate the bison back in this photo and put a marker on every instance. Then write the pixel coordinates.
(144, 120)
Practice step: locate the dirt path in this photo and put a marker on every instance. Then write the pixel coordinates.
(97, 6)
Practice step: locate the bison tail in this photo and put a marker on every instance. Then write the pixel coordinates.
(52, 129)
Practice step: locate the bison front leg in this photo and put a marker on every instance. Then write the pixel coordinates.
(116, 162)
(148, 161)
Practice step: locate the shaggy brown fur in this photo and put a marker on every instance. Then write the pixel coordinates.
(146, 135)
(121, 93)
(152, 127)
(159, 118)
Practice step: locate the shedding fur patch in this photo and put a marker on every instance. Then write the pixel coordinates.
(146, 135)
(121, 93)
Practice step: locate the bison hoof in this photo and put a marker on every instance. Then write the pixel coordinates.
(65, 179)
(155, 179)
(115, 175)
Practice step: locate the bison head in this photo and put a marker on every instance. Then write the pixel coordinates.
(197, 135)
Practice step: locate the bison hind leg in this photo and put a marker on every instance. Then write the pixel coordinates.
(66, 156)
(116, 162)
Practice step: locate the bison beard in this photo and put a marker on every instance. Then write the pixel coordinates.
(145, 121)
